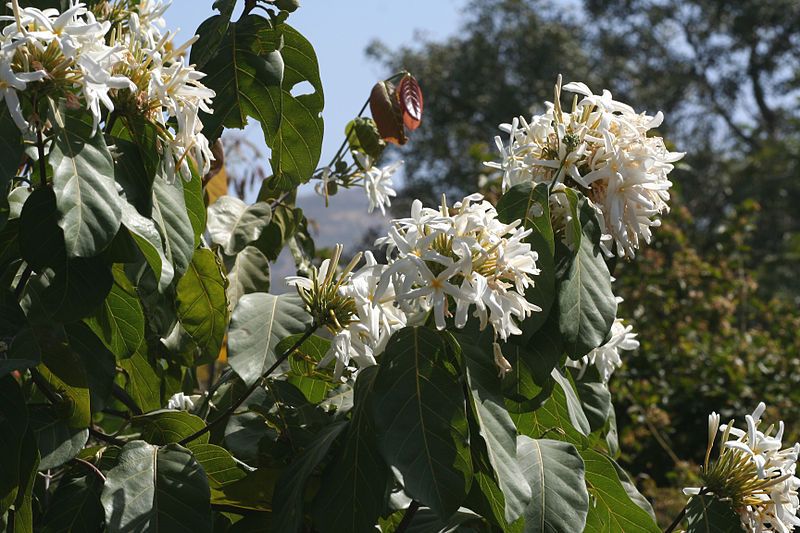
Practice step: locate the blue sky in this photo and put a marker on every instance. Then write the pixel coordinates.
(340, 31)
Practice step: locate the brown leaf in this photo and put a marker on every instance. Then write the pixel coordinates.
(409, 94)
(386, 113)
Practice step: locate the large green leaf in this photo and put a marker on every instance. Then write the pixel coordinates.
(23, 504)
(248, 272)
(232, 224)
(586, 304)
(57, 441)
(71, 292)
(173, 223)
(195, 202)
(13, 428)
(41, 240)
(148, 239)
(75, 505)
(707, 514)
(530, 204)
(138, 159)
(574, 408)
(305, 373)
(419, 412)
(246, 72)
(219, 465)
(555, 472)
(288, 500)
(11, 147)
(595, 399)
(24, 352)
(156, 490)
(141, 382)
(63, 369)
(166, 426)
(253, 73)
(202, 305)
(210, 33)
(120, 321)
(259, 322)
(496, 427)
(354, 487)
(83, 180)
(530, 378)
(97, 360)
(611, 509)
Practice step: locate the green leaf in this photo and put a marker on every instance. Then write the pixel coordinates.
(574, 408)
(611, 509)
(68, 293)
(75, 505)
(83, 180)
(259, 322)
(530, 379)
(138, 159)
(531, 205)
(288, 500)
(633, 493)
(120, 321)
(156, 489)
(57, 441)
(253, 74)
(586, 303)
(13, 428)
(141, 383)
(595, 399)
(167, 426)
(305, 374)
(11, 147)
(41, 240)
(362, 135)
(552, 419)
(707, 514)
(23, 505)
(98, 362)
(24, 352)
(248, 272)
(218, 464)
(496, 428)
(63, 370)
(211, 32)
(195, 203)
(173, 223)
(297, 146)
(419, 413)
(253, 493)
(354, 487)
(245, 73)
(202, 305)
(232, 224)
(555, 472)
(148, 239)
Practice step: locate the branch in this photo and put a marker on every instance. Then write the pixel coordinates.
(758, 91)
(120, 394)
(99, 435)
(235, 405)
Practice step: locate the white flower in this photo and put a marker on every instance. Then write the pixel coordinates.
(378, 183)
(603, 147)
(181, 402)
(754, 473)
(607, 357)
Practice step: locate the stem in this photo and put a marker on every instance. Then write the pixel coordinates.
(43, 386)
(22, 281)
(42, 163)
(91, 467)
(407, 517)
(682, 514)
(99, 435)
(120, 394)
(235, 405)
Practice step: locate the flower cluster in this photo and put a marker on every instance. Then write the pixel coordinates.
(440, 261)
(112, 58)
(606, 358)
(601, 146)
(754, 473)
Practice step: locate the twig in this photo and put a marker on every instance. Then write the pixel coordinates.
(235, 405)
(23, 279)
